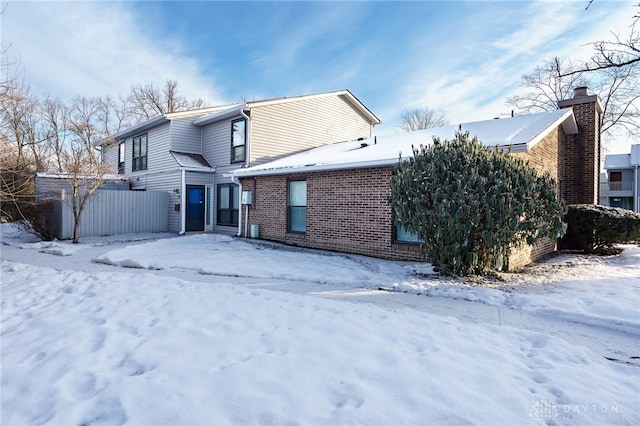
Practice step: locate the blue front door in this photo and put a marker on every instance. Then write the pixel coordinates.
(195, 208)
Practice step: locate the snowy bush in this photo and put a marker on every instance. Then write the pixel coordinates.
(596, 229)
(472, 205)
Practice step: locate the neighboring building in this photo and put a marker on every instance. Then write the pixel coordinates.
(336, 197)
(187, 154)
(49, 185)
(622, 186)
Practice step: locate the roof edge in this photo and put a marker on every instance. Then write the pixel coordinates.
(568, 122)
(351, 98)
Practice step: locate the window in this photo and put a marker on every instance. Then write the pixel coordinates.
(228, 205)
(139, 153)
(401, 234)
(121, 158)
(622, 202)
(615, 182)
(238, 137)
(297, 214)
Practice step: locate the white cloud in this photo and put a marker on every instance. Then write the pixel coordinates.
(485, 67)
(95, 49)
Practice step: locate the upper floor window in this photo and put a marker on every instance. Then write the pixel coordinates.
(297, 206)
(121, 158)
(238, 140)
(139, 153)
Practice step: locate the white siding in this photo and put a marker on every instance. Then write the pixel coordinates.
(168, 182)
(217, 150)
(185, 137)
(197, 178)
(289, 127)
(158, 155)
(216, 144)
(110, 157)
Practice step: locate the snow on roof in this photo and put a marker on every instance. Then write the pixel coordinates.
(635, 155)
(192, 161)
(617, 161)
(623, 161)
(106, 176)
(157, 120)
(519, 133)
(233, 111)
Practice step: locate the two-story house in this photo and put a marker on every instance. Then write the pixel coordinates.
(622, 185)
(187, 153)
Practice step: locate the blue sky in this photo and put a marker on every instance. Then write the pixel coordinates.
(463, 58)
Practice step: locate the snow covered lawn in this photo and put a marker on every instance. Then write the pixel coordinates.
(116, 345)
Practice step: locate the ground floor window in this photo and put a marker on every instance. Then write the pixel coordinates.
(402, 235)
(297, 206)
(622, 202)
(228, 205)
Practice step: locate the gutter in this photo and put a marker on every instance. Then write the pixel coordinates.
(636, 176)
(313, 168)
(247, 142)
(234, 179)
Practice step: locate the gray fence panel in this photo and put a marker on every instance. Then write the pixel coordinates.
(114, 213)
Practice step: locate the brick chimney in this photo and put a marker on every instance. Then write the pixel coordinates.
(579, 162)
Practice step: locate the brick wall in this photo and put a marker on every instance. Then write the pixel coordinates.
(580, 168)
(522, 256)
(544, 156)
(347, 211)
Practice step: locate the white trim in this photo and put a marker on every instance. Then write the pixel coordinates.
(355, 102)
(237, 182)
(234, 111)
(569, 126)
(183, 201)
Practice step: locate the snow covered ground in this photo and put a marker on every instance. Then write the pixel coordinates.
(209, 330)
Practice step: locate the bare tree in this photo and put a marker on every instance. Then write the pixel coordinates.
(81, 160)
(55, 116)
(545, 86)
(619, 52)
(113, 115)
(555, 80)
(421, 118)
(149, 101)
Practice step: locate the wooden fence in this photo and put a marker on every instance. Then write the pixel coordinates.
(113, 213)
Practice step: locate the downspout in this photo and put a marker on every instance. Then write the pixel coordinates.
(247, 150)
(183, 199)
(635, 187)
(247, 142)
(237, 182)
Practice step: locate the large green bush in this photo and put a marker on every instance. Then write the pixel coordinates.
(471, 205)
(596, 229)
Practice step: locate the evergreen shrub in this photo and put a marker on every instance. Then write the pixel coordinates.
(596, 229)
(471, 205)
